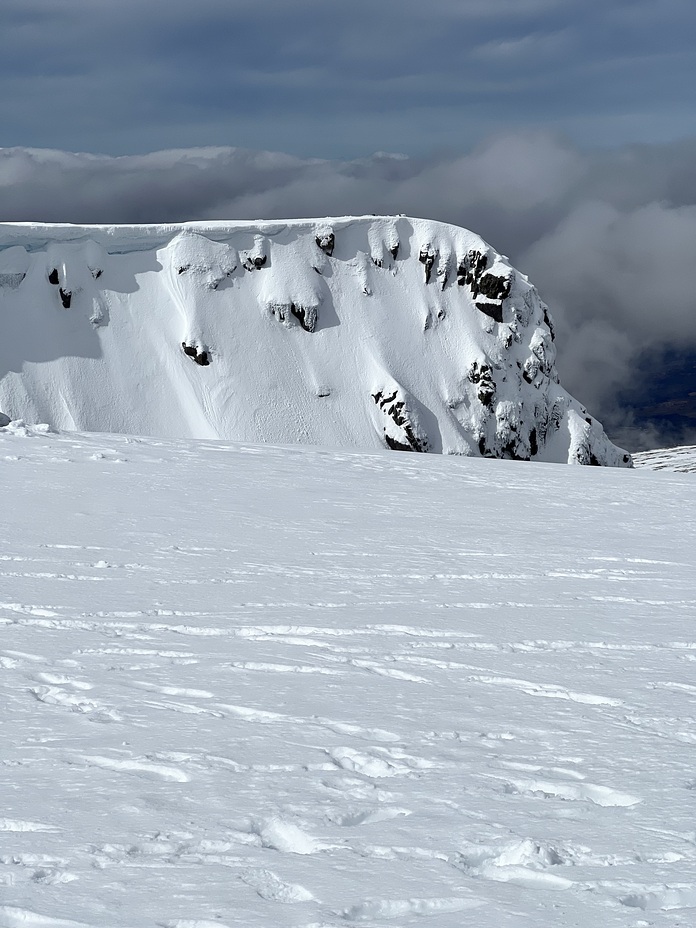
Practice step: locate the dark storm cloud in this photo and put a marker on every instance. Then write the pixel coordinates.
(337, 80)
(608, 237)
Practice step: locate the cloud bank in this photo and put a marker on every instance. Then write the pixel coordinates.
(608, 237)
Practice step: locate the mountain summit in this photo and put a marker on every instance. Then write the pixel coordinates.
(357, 332)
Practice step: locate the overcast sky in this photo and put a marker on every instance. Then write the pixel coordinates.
(342, 79)
(562, 131)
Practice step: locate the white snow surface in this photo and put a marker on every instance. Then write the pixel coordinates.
(350, 332)
(681, 459)
(243, 685)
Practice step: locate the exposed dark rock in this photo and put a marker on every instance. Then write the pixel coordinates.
(426, 257)
(585, 453)
(53, 277)
(533, 443)
(183, 268)
(397, 445)
(254, 262)
(65, 297)
(326, 242)
(495, 288)
(394, 407)
(381, 399)
(509, 450)
(549, 323)
(200, 356)
(494, 310)
(469, 270)
(537, 367)
(284, 312)
(471, 273)
(480, 375)
(556, 416)
(394, 251)
(97, 272)
(305, 315)
(4, 420)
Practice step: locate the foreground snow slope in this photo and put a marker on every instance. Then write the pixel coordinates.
(251, 686)
(355, 332)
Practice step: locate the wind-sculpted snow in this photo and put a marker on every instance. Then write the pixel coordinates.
(366, 332)
(259, 686)
(681, 459)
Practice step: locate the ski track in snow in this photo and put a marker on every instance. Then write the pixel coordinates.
(262, 686)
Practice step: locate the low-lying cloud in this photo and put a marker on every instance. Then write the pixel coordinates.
(608, 237)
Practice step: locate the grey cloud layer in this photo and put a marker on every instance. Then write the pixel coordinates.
(340, 78)
(607, 237)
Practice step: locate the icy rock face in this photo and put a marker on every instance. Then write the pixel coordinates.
(357, 332)
(401, 426)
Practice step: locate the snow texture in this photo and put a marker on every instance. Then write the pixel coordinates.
(365, 332)
(252, 686)
(681, 459)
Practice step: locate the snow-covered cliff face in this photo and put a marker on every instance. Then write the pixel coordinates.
(360, 332)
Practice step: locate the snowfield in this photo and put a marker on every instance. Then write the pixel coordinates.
(255, 686)
(681, 459)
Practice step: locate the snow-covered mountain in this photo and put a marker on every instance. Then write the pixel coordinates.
(251, 686)
(360, 332)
